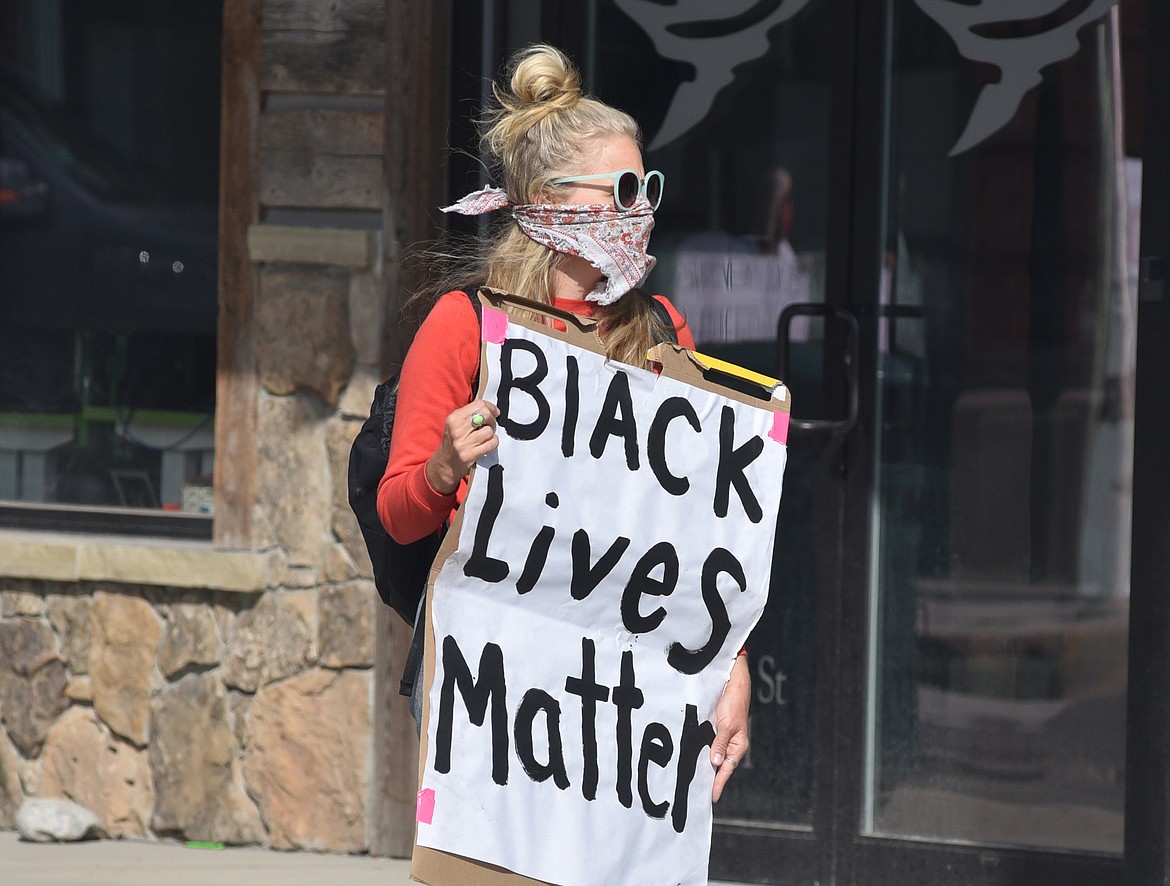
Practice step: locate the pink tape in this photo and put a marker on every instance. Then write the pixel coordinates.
(495, 326)
(779, 431)
(425, 808)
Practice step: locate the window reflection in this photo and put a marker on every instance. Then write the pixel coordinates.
(1005, 457)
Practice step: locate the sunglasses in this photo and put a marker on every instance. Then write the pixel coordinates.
(627, 187)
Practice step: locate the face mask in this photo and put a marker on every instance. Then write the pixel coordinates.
(612, 240)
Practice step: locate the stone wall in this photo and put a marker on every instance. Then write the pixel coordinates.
(242, 718)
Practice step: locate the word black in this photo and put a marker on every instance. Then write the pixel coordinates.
(616, 420)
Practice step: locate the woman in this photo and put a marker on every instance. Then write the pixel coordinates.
(581, 208)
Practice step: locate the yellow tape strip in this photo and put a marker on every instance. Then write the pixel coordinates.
(731, 369)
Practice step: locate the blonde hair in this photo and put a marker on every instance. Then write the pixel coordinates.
(543, 128)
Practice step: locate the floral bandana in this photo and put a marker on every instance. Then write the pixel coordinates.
(612, 240)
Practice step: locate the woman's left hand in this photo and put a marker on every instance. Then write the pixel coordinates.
(731, 725)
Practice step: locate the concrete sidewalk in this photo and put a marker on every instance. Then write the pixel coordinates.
(147, 863)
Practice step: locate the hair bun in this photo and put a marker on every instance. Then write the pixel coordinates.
(543, 75)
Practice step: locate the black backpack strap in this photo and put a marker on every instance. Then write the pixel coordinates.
(415, 653)
(473, 297)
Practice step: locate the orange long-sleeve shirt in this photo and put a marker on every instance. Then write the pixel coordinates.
(436, 380)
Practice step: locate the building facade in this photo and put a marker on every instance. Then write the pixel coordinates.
(942, 223)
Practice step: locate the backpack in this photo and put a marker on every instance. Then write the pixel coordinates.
(400, 571)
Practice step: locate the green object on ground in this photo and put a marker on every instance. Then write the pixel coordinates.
(203, 844)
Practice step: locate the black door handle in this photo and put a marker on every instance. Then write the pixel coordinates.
(841, 427)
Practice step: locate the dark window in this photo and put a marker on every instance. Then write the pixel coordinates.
(109, 142)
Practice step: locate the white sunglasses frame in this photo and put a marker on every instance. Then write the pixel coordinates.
(616, 177)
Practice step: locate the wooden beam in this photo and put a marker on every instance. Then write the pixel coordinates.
(417, 61)
(320, 157)
(236, 389)
(415, 156)
(335, 48)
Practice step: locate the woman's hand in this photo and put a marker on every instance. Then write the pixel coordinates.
(469, 432)
(731, 725)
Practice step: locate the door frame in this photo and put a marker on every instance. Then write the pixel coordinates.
(1147, 781)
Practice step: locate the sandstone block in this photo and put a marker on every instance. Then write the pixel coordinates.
(177, 565)
(15, 603)
(303, 336)
(297, 577)
(305, 763)
(85, 762)
(80, 689)
(32, 682)
(51, 561)
(194, 759)
(125, 634)
(367, 316)
(27, 644)
(238, 705)
(69, 616)
(347, 626)
(339, 438)
(263, 537)
(30, 778)
(339, 566)
(225, 608)
(191, 637)
(294, 484)
(274, 639)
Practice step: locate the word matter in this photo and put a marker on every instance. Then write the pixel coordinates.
(488, 690)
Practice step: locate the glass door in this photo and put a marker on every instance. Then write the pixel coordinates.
(1002, 443)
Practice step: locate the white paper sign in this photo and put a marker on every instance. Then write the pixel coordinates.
(613, 555)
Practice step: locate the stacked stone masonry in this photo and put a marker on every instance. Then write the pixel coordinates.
(199, 715)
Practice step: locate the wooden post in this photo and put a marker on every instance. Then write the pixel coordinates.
(236, 382)
(417, 60)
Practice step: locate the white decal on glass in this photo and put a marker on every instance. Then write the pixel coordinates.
(713, 57)
(1019, 59)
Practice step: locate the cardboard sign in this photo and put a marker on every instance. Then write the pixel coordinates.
(585, 612)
